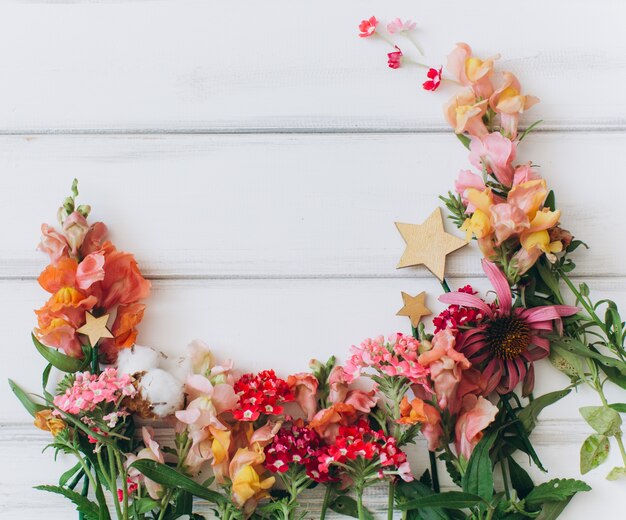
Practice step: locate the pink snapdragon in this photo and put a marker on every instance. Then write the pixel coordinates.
(89, 390)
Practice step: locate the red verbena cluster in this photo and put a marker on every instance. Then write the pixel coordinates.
(262, 393)
(456, 316)
(361, 441)
(294, 444)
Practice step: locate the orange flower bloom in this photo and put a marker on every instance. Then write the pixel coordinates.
(327, 422)
(44, 420)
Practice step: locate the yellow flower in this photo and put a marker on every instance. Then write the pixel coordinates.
(479, 224)
(44, 420)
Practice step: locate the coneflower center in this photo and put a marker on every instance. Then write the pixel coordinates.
(507, 337)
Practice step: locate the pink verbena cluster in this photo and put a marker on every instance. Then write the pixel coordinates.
(89, 390)
(396, 357)
(294, 445)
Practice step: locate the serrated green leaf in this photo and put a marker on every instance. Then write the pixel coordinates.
(555, 490)
(346, 505)
(478, 477)
(528, 416)
(602, 419)
(169, 477)
(31, 406)
(89, 509)
(449, 499)
(616, 473)
(593, 452)
(58, 360)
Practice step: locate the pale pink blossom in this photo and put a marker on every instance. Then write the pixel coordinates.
(508, 220)
(465, 113)
(90, 270)
(510, 103)
(75, 227)
(397, 25)
(446, 368)
(304, 387)
(53, 243)
(476, 414)
(524, 173)
(466, 180)
(494, 153)
(471, 71)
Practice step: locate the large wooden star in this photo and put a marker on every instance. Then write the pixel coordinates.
(428, 244)
(95, 328)
(414, 307)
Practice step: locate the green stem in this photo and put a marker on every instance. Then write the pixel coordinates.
(359, 503)
(434, 473)
(391, 500)
(620, 443)
(326, 502)
(505, 479)
(445, 285)
(84, 491)
(521, 432)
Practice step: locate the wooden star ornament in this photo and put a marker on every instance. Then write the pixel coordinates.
(414, 308)
(95, 328)
(428, 244)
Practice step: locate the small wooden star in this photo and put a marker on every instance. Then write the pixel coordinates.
(95, 328)
(414, 307)
(428, 244)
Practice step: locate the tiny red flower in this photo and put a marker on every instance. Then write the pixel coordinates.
(434, 80)
(368, 27)
(263, 393)
(395, 58)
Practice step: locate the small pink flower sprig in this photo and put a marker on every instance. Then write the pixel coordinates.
(396, 58)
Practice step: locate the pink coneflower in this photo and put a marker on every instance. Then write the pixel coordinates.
(507, 340)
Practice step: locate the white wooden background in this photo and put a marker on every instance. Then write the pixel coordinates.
(254, 156)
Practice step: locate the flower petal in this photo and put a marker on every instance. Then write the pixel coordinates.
(500, 284)
(466, 300)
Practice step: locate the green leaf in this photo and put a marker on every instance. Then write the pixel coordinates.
(478, 477)
(31, 406)
(578, 347)
(407, 491)
(616, 473)
(89, 509)
(169, 477)
(545, 272)
(69, 474)
(602, 419)
(528, 416)
(530, 129)
(346, 505)
(618, 407)
(593, 452)
(464, 140)
(449, 499)
(550, 201)
(555, 490)
(145, 505)
(521, 481)
(552, 510)
(58, 360)
(567, 362)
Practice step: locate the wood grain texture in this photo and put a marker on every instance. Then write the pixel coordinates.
(256, 206)
(181, 66)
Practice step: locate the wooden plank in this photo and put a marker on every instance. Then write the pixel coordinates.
(280, 324)
(21, 444)
(257, 206)
(241, 66)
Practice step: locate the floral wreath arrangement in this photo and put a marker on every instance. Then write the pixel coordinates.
(250, 444)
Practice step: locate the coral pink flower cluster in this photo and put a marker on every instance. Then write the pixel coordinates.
(396, 357)
(89, 391)
(87, 273)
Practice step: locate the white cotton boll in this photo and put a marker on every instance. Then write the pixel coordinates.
(137, 359)
(179, 367)
(162, 391)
